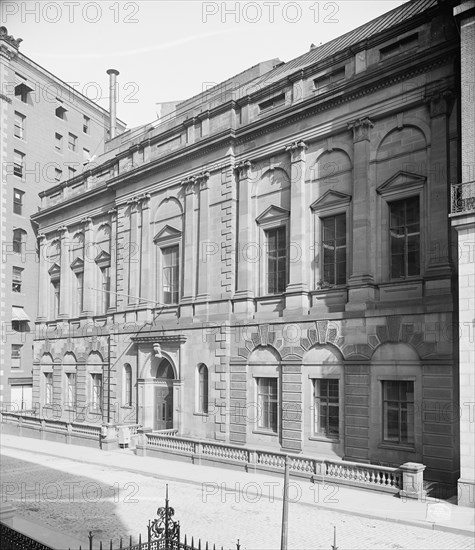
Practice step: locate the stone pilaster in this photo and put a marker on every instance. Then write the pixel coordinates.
(133, 256)
(113, 267)
(89, 293)
(190, 248)
(237, 402)
(65, 289)
(296, 299)
(291, 416)
(244, 296)
(361, 289)
(145, 260)
(43, 282)
(439, 269)
(203, 264)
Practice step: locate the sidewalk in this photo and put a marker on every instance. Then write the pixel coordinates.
(213, 480)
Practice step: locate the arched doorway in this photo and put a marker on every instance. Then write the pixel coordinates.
(164, 376)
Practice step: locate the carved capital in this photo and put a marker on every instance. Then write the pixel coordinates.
(440, 103)
(63, 231)
(144, 200)
(41, 238)
(361, 129)
(189, 185)
(202, 179)
(297, 150)
(87, 223)
(243, 169)
(157, 350)
(133, 203)
(112, 212)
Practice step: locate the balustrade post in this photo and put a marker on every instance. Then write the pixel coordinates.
(69, 436)
(20, 425)
(413, 481)
(197, 452)
(141, 448)
(42, 429)
(252, 460)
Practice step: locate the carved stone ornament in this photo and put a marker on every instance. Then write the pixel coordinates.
(157, 350)
(297, 150)
(9, 38)
(243, 168)
(361, 129)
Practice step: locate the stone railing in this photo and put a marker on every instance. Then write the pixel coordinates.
(407, 480)
(463, 197)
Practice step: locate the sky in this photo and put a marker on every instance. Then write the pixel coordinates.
(168, 51)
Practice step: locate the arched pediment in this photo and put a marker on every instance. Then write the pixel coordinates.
(394, 352)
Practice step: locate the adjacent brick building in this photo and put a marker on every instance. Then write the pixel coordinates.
(272, 265)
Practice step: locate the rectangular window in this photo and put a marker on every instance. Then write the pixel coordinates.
(334, 249)
(71, 172)
(20, 125)
(96, 395)
(86, 155)
(71, 389)
(276, 260)
(267, 403)
(48, 388)
(16, 356)
(79, 292)
(58, 143)
(399, 46)
(106, 284)
(404, 228)
(398, 411)
(17, 273)
(327, 407)
(273, 102)
(86, 124)
(329, 78)
(18, 201)
(56, 295)
(72, 140)
(18, 240)
(58, 174)
(170, 274)
(60, 110)
(18, 163)
(22, 91)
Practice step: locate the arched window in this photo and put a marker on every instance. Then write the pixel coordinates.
(127, 385)
(203, 389)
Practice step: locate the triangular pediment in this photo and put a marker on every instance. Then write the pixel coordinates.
(331, 198)
(103, 258)
(272, 213)
(400, 181)
(168, 232)
(77, 264)
(55, 269)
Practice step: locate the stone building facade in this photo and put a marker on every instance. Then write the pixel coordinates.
(272, 266)
(48, 130)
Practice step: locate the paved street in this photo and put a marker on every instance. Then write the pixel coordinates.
(73, 496)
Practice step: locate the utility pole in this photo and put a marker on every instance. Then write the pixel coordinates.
(285, 506)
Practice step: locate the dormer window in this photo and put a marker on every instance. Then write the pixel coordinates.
(329, 79)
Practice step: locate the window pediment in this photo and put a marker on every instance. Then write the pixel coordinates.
(273, 213)
(168, 233)
(331, 199)
(77, 265)
(401, 181)
(54, 271)
(103, 259)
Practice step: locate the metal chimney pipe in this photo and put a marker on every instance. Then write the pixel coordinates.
(112, 100)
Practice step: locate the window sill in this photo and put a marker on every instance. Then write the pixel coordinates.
(198, 413)
(127, 407)
(262, 431)
(397, 447)
(324, 439)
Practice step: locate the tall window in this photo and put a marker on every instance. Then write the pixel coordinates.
(96, 393)
(267, 404)
(127, 385)
(327, 407)
(71, 172)
(48, 388)
(86, 124)
(19, 125)
(203, 389)
(58, 142)
(17, 275)
(106, 285)
(56, 296)
(79, 292)
(86, 155)
(16, 356)
(71, 389)
(22, 91)
(276, 260)
(18, 163)
(334, 249)
(18, 201)
(404, 227)
(398, 411)
(72, 140)
(170, 274)
(19, 238)
(58, 174)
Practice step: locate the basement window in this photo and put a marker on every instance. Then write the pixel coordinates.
(399, 46)
(273, 102)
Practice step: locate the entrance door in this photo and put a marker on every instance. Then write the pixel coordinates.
(164, 407)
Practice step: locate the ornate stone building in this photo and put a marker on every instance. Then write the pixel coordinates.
(272, 265)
